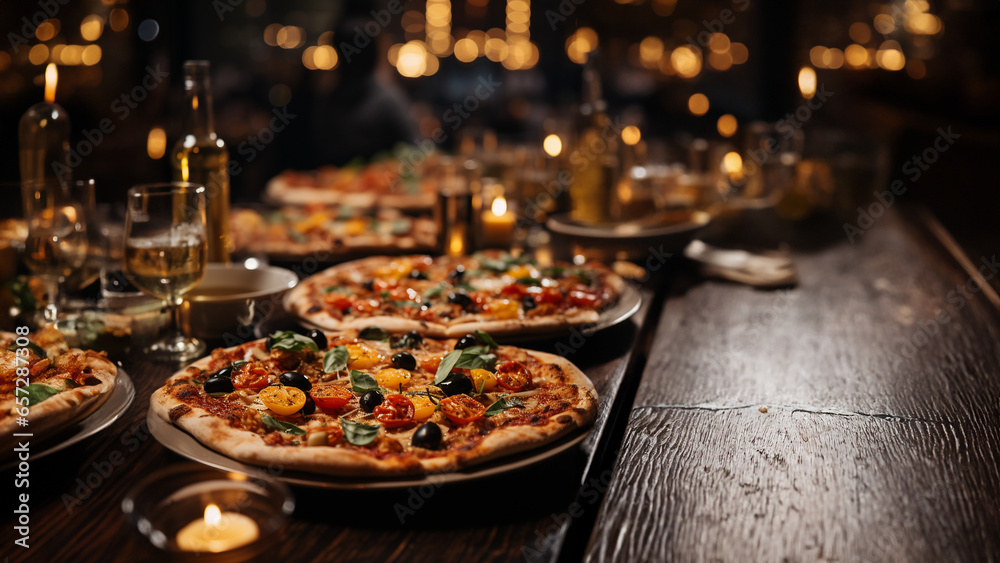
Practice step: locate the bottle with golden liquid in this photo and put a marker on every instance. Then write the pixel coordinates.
(201, 157)
(594, 160)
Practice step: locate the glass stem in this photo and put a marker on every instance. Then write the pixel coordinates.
(175, 318)
(51, 295)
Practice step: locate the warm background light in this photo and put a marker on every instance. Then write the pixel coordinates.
(726, 125)
(631, 135)
(698, 104)
(552, 145)
(807, 82)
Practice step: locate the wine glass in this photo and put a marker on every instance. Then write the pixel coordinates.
(165, 253)
(56, 246)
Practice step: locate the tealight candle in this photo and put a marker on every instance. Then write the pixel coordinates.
(218, 531)
(498, 225)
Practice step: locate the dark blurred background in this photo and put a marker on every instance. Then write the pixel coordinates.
(887, 76)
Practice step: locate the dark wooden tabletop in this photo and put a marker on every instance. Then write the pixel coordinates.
(854, 418)
(75, 495)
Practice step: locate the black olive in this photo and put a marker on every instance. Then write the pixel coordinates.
(314, 309)
(404, 360)
(309, 407)
(216, 384)
(418, 275)
(295, 379)
(226, 372)
(427, 436)
(460, 298)
(319, 338)
(466, 341)
(455, 384)
(456, 275)
(371, 399)
(411, 339)
(269, 342)
(368, 285)
(528, 303)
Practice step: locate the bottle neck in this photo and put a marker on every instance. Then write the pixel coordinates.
(199, 121)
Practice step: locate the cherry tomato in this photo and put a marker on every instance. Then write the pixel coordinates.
(423, 407)
(392, 378)
(483, 379)
(282, 399)
(252, 375)
(546, 295)
(362, 356)
(514, 376)
(338, 301)
(515, 290)
(431, 363)
(581, 298)
(330, 397)
(367, 305)
(395, 410)
(461, 409)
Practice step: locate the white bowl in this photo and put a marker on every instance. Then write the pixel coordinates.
(231, 299)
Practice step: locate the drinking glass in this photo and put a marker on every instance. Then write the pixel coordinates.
(165, 253)
(56, 246)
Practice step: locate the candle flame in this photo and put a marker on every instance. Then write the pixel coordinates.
(499, 206)
(194, 102)
(51, 78)
(213, 516)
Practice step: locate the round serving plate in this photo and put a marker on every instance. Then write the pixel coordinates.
(182, 443)
(633, 240)
(118, 401)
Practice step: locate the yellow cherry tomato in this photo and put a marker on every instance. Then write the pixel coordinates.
(503, 309)
(518, 272)
(355, 226)
(395, 269)
(423, 408)
(362, 357)
(392, 378)
(283, 399)
(483, 378)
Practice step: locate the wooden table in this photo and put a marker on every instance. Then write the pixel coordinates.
(854, 418)
(509, 517)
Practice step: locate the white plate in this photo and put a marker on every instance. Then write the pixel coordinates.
(182, 443)
(114, 407)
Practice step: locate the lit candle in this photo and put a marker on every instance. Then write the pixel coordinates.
(43, 137)
(218, 531)
(498, 225)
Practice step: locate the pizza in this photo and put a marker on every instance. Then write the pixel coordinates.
(375, 404)
(445, 296)
(377, 184)
(336, 231)
(58, 385)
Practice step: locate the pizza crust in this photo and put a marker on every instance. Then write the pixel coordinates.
(249, 447)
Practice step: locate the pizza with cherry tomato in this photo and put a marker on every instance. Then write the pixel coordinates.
(375, 403)
(502, 294)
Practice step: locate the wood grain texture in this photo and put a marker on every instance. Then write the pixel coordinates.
(881, 382)
(496, 519)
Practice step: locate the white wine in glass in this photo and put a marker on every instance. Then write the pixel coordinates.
(165, 253)
(56, 246)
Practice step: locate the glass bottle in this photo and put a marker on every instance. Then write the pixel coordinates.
(594, 161)
(201, 157)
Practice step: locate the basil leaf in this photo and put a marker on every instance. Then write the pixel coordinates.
(239, 363)
(446, 366)
(431, 293)
(399, 304)
(31, 346)
(528, 281)
(400, 227)
(336, 359)
(384, 294)
(486, 339)
(357, 433)
(374, 333)
(337, 288)
(296, 236)
(36, 392)
(219, 394)
(477, 361)
(292, 341)
(286, 427)
(553, 272)
(361, 381)
(502, 404)
(70, 384)
(491, 263)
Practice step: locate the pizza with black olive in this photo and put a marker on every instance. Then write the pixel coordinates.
(374, 403)
(49, 384)
(447, 296)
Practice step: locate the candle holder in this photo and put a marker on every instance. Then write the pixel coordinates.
(497, 221)
(170, 500)
(454, 217)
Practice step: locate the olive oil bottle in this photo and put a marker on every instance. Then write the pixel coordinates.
(201, 157)
(594, 160)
